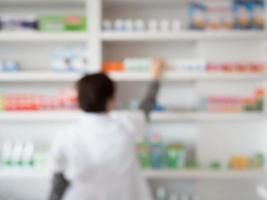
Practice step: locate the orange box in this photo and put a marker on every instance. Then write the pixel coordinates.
(239, 163)
(113, 67)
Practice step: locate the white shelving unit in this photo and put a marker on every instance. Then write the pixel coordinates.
(117, 36)
(57, 116)
(42, 37)
(42, 76)
(200, 116)
(176, 76)
(210, 135)
(24, 174)
(204, 174)
(182, 36)
(46, 76)
(44, 116)
(28, 174)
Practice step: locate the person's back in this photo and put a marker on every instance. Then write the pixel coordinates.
(100, 158)
(95, 159)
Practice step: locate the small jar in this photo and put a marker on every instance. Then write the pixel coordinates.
(139, 25)
(119, 25)
(128, 25)
(107, 25)
(164, 25)
(153, 25)
(176, 25)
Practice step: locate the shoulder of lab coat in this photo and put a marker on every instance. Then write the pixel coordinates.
(133, 121)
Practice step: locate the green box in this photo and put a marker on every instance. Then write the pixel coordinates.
(52, 23)
(75, 23)
(2, 103)
(62, 23)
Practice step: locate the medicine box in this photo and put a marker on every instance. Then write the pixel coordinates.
(62, 23)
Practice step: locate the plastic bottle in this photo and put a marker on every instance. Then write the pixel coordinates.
(139, 25)
(27, 157)
(60, 60)
(143, 153)
(119, 25)
(173, 197)
(78, 60)
(6, 154)
(107, 25)
(128, 25)
(11, 66)
(164, 25)
(175, 156)
(16, 156)
(153, 25)
(184, 197)
(195, 197)
(161, 194)
(176, 25)
(157, 153)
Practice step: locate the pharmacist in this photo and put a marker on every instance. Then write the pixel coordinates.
(95, 159)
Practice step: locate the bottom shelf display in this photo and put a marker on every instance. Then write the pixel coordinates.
(154, 153)
(158, 159)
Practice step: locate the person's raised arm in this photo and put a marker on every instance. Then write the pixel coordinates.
(150, 98)
(59, 186)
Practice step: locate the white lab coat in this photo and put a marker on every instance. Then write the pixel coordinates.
(98, 157)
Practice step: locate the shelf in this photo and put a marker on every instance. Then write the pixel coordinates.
(135, 76)
(49, 116)
(29, 174)
(43, 36)
(69, 3)
(204, 174)
(72, 77)
(39, 77)
(11, 174)
(58, 116)
(204, 116)
(183, 35)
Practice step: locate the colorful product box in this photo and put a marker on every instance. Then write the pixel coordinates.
(257, 161)
(2, 103)
(198, 16)
(253, 103)
(243, 14)
(14, 22)
(237, 67)
(138, 64)
(62, 23)
(65, 100)
(258, 21)
(75, 23)
(220, 17)
(51, 23)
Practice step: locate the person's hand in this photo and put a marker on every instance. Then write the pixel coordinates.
(158, 68)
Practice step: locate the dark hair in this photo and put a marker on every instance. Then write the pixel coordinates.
(94, 91)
